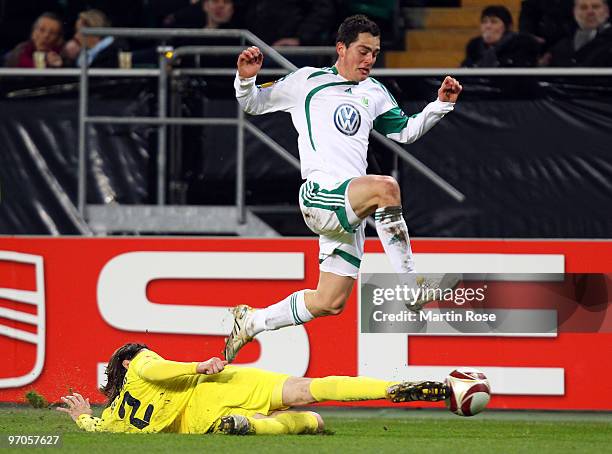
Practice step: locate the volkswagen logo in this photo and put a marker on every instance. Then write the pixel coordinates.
(347, 119)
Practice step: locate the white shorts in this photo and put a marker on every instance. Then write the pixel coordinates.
(324, 208)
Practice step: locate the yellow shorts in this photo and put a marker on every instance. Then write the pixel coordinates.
(236, 390)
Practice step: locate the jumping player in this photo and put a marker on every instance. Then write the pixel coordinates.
(334, 110)
(147, 394)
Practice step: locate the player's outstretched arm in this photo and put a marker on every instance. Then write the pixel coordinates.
(449, 90)
(396, 125)
(249, 62)
(156, 369)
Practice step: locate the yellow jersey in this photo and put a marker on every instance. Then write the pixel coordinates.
(154, 395)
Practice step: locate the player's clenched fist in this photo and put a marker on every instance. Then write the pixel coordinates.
(449, 90)
(249, 62)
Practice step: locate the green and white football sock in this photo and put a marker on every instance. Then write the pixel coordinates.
(393, 233)
(288, 312)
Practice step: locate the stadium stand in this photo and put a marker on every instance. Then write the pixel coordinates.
(440, 35)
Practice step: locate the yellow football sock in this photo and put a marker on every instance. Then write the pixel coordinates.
(348, 388)
(290, 422)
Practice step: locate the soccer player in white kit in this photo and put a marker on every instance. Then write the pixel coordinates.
(334, 109)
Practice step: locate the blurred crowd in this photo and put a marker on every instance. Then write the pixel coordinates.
(50, 30)
(558, 33)
(47, 33)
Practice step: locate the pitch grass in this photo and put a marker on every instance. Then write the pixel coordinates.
(350, 431)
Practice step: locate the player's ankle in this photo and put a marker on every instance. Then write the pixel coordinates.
(255, 323)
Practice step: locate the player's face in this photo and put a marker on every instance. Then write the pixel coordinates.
(492, 29)
(591, 14)
(358, 58)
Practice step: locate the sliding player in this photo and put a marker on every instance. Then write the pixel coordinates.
(147, 393)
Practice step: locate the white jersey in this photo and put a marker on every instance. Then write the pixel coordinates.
(334, 116)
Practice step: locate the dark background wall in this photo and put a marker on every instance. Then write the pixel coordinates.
(533, 158)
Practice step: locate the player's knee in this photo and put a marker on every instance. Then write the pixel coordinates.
(388, 191)
(334, 306)
(326, 302)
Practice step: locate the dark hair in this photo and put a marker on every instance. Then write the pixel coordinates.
(115, 372)
(499, 11)
(52, 16)
(349, 30)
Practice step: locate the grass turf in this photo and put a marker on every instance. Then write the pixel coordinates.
(353, 431)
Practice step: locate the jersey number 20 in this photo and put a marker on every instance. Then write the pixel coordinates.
(135, 404)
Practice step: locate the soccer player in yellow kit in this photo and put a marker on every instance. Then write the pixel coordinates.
(148, 394)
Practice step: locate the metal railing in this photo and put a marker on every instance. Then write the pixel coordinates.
(166, 56)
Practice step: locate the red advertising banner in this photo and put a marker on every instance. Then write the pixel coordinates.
(67, 303)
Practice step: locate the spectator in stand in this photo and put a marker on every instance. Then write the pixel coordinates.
(290, 22)
(204, 14)
(208, 14)
(547, 20)
(17, 17)
(120, 13)
(47, 36)
(156, 11)
(498, 45)
(102, 52)
(591, 43)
